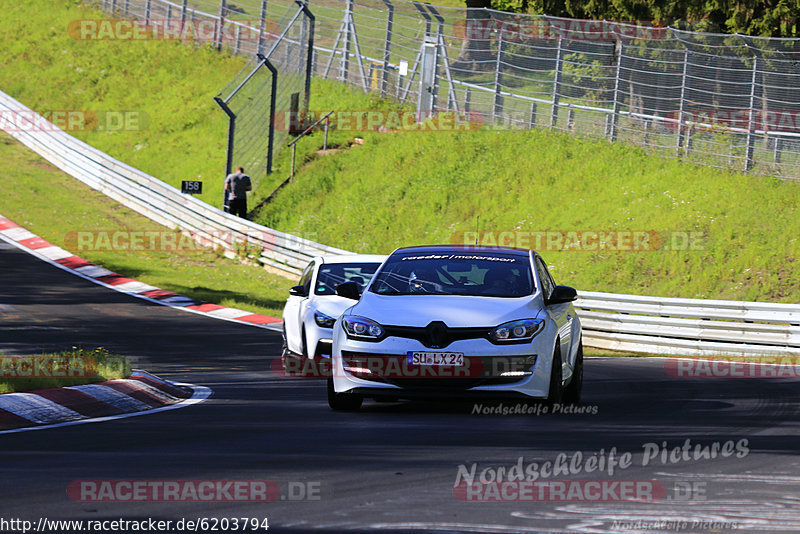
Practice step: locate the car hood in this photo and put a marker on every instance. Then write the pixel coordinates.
(453, 310)
(333, 305)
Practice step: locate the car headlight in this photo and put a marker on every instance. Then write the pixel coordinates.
(362, 328)
(325, 321)
(521, 331)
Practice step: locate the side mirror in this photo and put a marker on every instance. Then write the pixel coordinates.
(562, 294)
(298, 291)
(348, 290)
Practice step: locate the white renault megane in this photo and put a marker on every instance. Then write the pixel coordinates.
(458, 322)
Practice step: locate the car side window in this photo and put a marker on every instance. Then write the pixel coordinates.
(305, 278)
(544, 277)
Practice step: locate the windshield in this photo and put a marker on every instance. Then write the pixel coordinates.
(476, 274)
(332, 274)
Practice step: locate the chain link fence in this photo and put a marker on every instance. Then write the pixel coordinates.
(728, 101)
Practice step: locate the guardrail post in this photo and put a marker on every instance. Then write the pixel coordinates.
(751, 123)
(612, 134)
(557, 84)
(497, 107)
(387, 44)
(679, 141)
(532, 119)
(262, 26)
(220, 25)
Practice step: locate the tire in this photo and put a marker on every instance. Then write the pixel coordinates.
(342, 402)
(303, 343)
(284, 350)
(572, 393)
(555, 393)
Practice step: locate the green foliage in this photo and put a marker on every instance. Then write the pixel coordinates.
(417, 188)
(66, 368)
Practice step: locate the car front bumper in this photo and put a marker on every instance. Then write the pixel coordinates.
(381, 369)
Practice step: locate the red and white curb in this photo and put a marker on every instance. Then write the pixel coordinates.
(25, 240)
(140, 394)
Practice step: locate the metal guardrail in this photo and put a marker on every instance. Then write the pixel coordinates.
(612, 321)
(156, 200)
(691, 327)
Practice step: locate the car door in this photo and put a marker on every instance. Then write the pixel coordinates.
(562, 315)
(293, 311)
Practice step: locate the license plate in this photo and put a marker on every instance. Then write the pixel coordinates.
(436, 358)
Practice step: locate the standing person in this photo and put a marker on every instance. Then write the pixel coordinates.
(237, 185)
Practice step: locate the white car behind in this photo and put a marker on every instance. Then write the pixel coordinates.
(313, 305)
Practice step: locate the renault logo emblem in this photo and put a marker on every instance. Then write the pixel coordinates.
(437, 335)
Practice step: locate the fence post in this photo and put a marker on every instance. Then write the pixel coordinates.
(776, 155)
(497, 108)
(387, 46)
(612, 134)
(344, 66)
(126, 7)
(557, 84)
(679, 142)
(467, 100)
(262, 26)
(113, 7)
(571, 120)
(237, 42)
(183, 13)
(532, 120)
(221, 24)
(751, 123)
(646, 137)
(147, 6)
(312, 25)
(231, 132)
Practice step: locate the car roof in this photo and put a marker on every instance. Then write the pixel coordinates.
(432, 249)
(355, 258)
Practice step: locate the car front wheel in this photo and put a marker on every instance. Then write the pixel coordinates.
(342, 402)
(572, 393)
(555, 395)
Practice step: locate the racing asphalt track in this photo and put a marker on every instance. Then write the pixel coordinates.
(390, 466)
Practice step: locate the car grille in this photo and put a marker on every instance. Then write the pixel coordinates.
(477, 371)
(437, 335)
